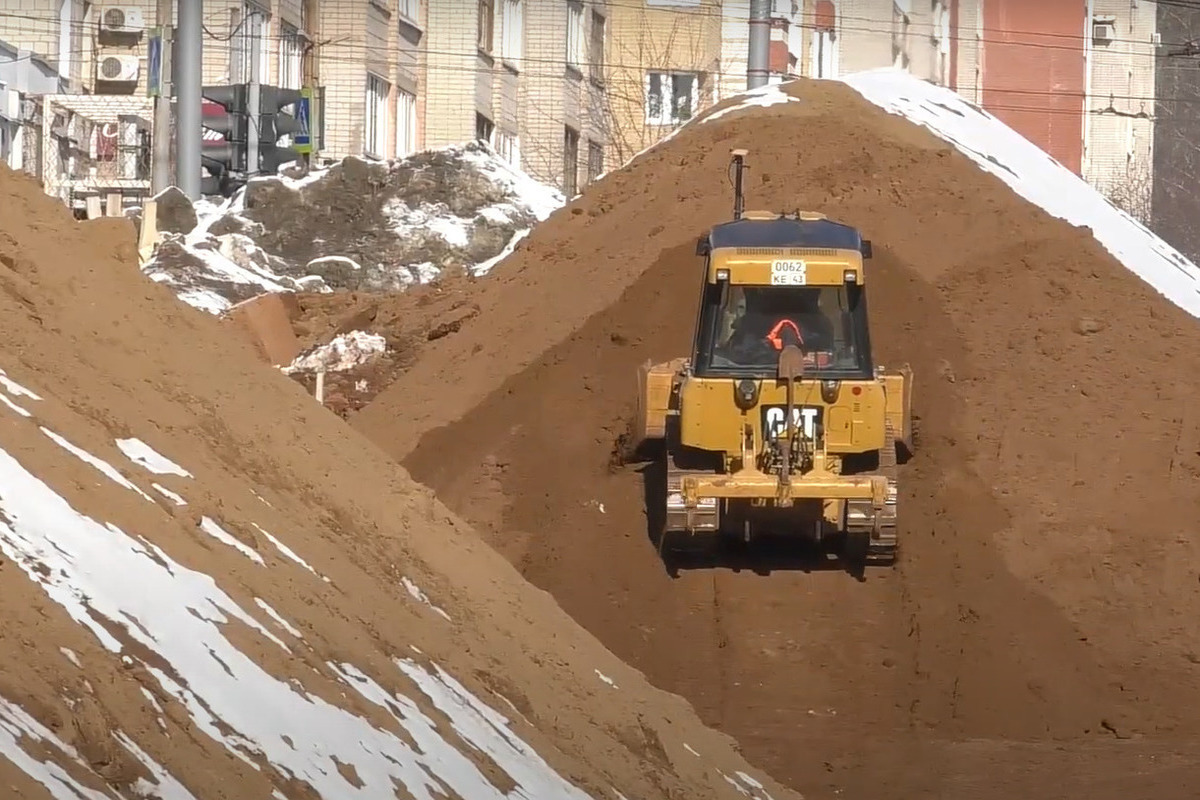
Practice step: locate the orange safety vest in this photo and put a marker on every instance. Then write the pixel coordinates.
(776, 340)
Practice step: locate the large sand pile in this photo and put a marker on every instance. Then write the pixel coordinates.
(212, 588)
(1038, 638)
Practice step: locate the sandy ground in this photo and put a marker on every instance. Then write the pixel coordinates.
(1037, 638)
(111, 355)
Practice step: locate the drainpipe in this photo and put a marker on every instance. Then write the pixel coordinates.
(758, 63)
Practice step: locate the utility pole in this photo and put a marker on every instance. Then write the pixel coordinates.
(160, 173)
(758, 57)
(189, 139)
(254, 93)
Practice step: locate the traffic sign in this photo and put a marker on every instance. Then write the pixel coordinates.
(302, 140)
(154, 59)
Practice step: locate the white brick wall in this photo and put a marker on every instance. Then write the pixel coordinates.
(451, 75)
(970, 50)
(642, 39)
(553, 96)
(1118, 146)
(343, 73)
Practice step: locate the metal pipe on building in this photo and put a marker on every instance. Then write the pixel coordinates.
(758, 57)
(189, 141)
(254, 91)
(160, 175)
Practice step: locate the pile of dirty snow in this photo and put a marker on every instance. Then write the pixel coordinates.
(358, 225)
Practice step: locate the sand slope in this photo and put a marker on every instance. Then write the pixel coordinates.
(214, 589)
(1038, 629)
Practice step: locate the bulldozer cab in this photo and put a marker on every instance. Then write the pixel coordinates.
(773, 280)
(743, 328)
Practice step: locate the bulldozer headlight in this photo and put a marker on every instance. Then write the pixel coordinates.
(745, 394)
(850, 276)
(829, 391)
(722, 274)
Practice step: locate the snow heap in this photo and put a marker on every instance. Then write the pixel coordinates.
(1034, 175)
(359, 224)
(172, 623)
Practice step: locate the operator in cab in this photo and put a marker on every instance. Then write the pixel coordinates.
(775, 318)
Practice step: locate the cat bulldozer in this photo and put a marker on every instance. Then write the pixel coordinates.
(779, 422)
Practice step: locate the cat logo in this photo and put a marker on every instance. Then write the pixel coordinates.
(804, 418)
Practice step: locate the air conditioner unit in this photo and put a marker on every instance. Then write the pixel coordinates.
(121, 19)
(10, 103)
(118, 69)
(1104, 29)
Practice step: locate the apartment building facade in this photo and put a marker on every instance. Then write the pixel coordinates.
(664, 66)
(101, 47)
(528, 78)
(1077, 78)
(22, 73)
(372, 67)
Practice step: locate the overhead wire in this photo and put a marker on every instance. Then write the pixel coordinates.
(354, 52)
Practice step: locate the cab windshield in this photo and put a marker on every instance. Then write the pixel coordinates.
(744, 328)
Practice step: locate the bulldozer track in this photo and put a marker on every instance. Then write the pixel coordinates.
(875, 533)
(704, 519)
(878, 529)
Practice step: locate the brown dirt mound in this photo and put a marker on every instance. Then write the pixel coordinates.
(113, 355)
(1035, 639)
(408, 321)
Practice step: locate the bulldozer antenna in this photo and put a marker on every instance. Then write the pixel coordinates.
(739, 199)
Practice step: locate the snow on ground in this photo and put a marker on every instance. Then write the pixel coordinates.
(169, 620)
(762, 97)
(539, 198)
(144, 455)
(345, 351)
(1034, 175)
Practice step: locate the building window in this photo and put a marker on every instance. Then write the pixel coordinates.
(485, 130)
(508, 147)
(406, 123)
(575, 35)
(291, 54)
(408, 9)
(249, 41)
(595, 164)
(66, 25)
(596, 48)
(487, 25)
(375, 125)
(570, 161)
(671, 97)
(512, 31)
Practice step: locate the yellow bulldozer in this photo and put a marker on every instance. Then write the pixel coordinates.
(780, 421)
